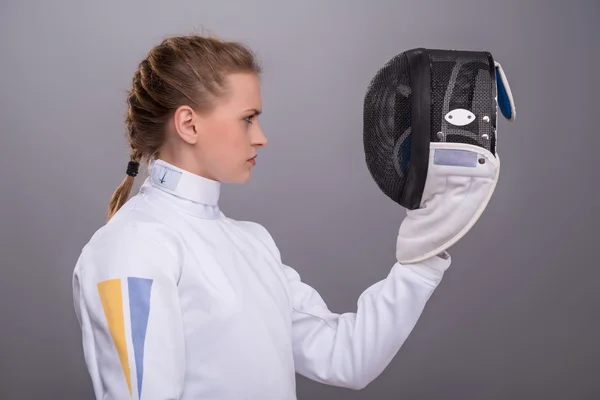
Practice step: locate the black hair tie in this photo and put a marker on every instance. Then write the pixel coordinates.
(133, 168)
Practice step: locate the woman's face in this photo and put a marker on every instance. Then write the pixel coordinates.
(222, 144)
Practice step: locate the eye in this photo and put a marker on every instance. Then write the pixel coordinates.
(249, 118)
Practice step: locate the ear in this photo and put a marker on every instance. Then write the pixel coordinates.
(183, 120)
(506, 102)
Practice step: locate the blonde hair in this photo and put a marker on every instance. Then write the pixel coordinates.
(181, 70)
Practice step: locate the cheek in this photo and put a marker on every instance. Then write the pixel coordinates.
(234, 138)
(226, 142)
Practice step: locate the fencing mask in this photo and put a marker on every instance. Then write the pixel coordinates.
(430, 133)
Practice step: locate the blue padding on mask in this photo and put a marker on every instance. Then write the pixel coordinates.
(503, 100)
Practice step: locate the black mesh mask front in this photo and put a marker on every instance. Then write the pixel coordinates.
(416, 98)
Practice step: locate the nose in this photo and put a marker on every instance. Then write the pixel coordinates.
(258, 137)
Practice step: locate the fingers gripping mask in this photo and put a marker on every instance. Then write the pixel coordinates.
(430, 135)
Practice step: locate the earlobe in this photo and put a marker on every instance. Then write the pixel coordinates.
(185, 124)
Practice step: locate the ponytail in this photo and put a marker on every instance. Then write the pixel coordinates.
(121, 195)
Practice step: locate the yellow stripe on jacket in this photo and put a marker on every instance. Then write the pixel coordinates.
(112, 301)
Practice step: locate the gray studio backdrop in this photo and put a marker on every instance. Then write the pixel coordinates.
(518, 314)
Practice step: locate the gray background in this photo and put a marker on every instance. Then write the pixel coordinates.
(517, 316)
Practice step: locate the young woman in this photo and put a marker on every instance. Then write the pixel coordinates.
(178, 301)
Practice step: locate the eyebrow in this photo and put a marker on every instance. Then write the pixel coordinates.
(256, 112)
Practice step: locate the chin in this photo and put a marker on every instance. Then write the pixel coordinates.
(240, 178)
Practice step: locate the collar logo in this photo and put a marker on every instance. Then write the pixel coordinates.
(166, 177)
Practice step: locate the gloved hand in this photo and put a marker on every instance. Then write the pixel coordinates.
(461, 179)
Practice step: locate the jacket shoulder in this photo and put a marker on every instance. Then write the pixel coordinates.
(259, 232)
(122, 246)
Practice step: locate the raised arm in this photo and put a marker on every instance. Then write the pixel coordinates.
(351, 349)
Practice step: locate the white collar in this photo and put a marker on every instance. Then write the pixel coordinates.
(187, 191)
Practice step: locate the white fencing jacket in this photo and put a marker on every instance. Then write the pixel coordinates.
(178, 301)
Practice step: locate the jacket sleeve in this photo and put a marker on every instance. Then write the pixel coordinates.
(351, 349)
(127, 303)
